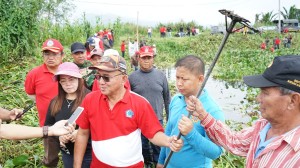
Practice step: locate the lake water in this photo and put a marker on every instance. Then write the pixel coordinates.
(228, 97)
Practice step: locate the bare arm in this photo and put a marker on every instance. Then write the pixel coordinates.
(160, 139)
(32, 97)
(17, 132)
(80, 146)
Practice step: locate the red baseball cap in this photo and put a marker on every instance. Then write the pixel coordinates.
(52, 45)
(146, 51)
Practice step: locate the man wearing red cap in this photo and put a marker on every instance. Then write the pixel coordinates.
(152, 84)
(39, 84)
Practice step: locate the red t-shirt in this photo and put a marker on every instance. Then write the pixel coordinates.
(263, 46)
(39, 82)
(277, 41)
(161, 29)
(116, 133)
(123, 46)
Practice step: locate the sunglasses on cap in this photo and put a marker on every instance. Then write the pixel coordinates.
(106, 78)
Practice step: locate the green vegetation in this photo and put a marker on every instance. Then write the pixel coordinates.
(22, 34)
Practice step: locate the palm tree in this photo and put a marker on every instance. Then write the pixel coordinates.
(257, 18)
(292, 13)
(267, 17)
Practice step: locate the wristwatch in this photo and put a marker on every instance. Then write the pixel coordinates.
(45, 131)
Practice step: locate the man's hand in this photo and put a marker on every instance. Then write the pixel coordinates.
(159, 165)
(64, 139)
(195, 107)
(73, 136)
(14, 112)
(185, 125)
(175, 144)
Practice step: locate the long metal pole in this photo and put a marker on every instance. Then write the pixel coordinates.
(228, 31)
(279, 21)
(137, 29)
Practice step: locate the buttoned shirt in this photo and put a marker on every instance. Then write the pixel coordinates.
(282, 151)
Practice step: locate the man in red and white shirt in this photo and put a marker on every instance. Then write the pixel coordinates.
(115, 117)
(274, 140)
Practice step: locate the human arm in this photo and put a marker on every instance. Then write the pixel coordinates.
(32, 97)
(18, 132)
(80, 146)
(198, 140)
(160, 139)
(162, 156)
(237, 143)
(7, 115)
(29, 85)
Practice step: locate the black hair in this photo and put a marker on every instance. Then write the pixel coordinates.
(192, 63)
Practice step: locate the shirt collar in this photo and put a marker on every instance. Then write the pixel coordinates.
(150, 70)
(125, 98)
(45, 69)
(291, 138)
(204, 92)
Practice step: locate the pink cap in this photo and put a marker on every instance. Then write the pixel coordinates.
(68, 68)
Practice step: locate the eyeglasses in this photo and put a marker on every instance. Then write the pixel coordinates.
(48, 54)
(106, 78)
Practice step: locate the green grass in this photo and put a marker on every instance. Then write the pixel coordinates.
(241, 56)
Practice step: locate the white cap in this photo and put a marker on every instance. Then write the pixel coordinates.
(109, 52)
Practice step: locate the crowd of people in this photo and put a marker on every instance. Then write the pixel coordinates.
(287, 42)
(122, 124)
(167, 31)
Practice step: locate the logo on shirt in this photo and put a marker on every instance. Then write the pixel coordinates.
(129, 113)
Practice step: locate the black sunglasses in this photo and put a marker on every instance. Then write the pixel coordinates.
(106, 78)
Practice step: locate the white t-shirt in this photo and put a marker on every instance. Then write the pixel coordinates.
(131, 49)
(97, 40)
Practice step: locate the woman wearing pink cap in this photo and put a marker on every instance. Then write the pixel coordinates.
(71, 92)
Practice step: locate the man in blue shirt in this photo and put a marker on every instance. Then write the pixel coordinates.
(198, 150)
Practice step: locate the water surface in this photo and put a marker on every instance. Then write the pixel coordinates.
(228, 97)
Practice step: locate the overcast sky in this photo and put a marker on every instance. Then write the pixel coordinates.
(204, 12)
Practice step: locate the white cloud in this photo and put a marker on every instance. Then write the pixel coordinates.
(204, 12)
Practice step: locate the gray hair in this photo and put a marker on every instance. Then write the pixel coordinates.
(285, 91)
